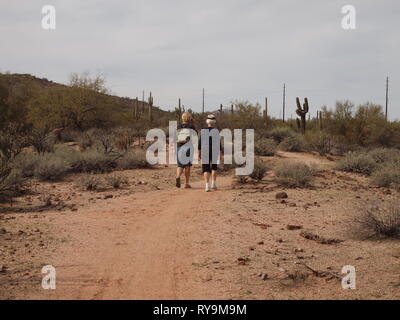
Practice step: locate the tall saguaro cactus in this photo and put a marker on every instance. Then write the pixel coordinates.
(151, 101)
(302, 112)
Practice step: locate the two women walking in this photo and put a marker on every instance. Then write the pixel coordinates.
(209, 148)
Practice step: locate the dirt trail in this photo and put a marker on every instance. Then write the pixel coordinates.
(234, 243)
(135, 247)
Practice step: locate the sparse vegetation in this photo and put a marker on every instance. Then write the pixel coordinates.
(321, 142)
(295, 174)
(51, 168)
(89, 182)
(11, 181)
(116, 181)
(381, 220)
(265, 147)
(383, 164)
(357, 162)
(260, 170)
(293, 143)
(135, 159)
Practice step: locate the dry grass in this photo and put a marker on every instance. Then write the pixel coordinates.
(297, 174)
(381, 220)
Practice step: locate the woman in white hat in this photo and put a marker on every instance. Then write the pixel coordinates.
(210, 169)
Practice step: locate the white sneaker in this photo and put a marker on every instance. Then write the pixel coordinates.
(208, 187)
(214, 186)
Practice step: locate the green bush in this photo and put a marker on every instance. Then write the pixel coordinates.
(294, 143)
(51, 168)
(295, 174)
(260, 170)
(265, 147)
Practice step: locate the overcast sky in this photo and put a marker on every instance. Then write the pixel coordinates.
(235, 49)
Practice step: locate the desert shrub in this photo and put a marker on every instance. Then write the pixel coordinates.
(51, 168)
(260, 170)
(294, 143)
(69, 135)
(135, 159)
(387, 176)
(241, 179)
(11, 180)
(85, 140)
(381, 220)
(265, 147)
(12, 141)
(367, 162)
(321, 142)
(281, 133)
(94, 161)
(357, 162)
(295, 174)
(116, 181)
(124, 139)
(104, 140)
(89, 182)
(26, 163)
(385, 155)
(41, 140)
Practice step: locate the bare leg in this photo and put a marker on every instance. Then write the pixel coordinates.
(187, 175)
(206, 177)
(179, 172)
(214, 180)
(214, 176)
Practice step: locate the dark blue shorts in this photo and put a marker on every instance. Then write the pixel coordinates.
(184, 153)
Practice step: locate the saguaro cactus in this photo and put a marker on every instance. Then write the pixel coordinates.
(302, 112)
(151, 100)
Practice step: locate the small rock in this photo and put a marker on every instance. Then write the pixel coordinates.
(3, 231)
(293, 227)
(261, 243)
(3, 268)
(281, 195)
(108, 196)
(264, 276)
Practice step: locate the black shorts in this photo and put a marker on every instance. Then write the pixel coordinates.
(209, 167)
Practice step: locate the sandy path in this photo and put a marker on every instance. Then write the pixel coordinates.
(133, 247)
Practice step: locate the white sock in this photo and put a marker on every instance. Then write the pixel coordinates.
(213, 184)
(207, 186)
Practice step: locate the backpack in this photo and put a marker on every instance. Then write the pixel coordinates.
(184, 135)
